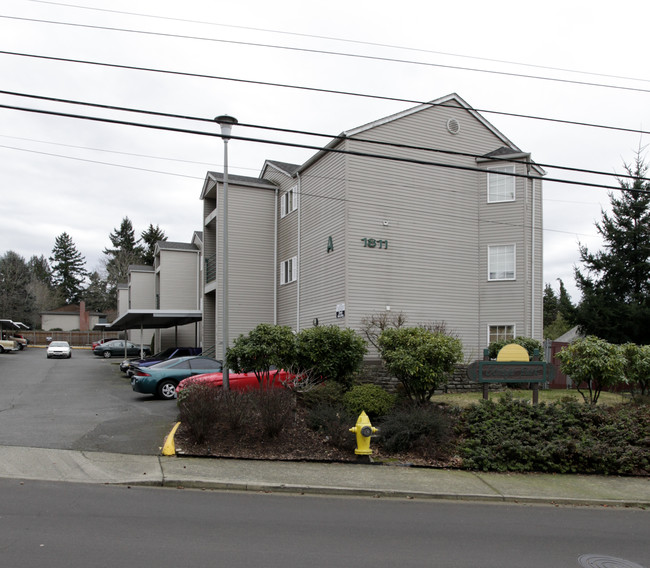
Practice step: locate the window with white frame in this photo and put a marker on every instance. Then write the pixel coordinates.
(501, 262)
(501, 187)
(289, 270)
(500, 333)
(289, 201)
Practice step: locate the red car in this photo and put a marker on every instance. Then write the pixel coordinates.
(236, 381)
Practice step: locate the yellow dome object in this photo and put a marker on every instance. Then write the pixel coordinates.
(513, 352)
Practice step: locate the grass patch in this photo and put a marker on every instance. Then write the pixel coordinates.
(463, 400)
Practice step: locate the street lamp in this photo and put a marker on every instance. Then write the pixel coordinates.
(226, 122)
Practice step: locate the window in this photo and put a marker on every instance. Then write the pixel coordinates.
(289, 270)
(500, 187)
(289, 201)
(500, 333)
(501, 262)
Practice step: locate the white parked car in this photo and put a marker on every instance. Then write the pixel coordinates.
(59, 349)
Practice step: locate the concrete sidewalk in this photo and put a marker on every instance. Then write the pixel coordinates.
(320, 478)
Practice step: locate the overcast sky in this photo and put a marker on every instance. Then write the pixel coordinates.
(64, 174)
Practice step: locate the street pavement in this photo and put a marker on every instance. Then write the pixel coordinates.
(367, 480)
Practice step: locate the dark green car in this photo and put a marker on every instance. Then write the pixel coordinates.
(115, 348)
(162, 379)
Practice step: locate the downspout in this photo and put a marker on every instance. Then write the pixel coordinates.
(532, 257)
(298, 256)
(275, 259)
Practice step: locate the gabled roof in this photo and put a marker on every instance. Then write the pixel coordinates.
(170, 245)
(212, 178)
(284, 167)
(452, 100)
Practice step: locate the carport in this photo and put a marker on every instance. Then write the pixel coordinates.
(154, 319)
(10, 324)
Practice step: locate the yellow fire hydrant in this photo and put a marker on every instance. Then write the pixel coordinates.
(363, 429)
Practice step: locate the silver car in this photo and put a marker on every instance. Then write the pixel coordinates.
(59, 349)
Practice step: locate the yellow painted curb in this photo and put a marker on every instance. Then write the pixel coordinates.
(169, 449)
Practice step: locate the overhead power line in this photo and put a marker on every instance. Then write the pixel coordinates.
(318, 90)
(303, 146)
(341, 39)
(331, 53)
(309, 133)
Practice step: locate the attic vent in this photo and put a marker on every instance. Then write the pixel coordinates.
(453, 126)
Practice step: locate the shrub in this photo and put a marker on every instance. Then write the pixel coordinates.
(420, 359)
(372, 399)
(426, 429)
(274, 409)
(328, 393)
(198, 410)
(331, 353)
(566, 437)
(334, 422)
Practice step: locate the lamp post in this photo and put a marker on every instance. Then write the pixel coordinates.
(226, 122)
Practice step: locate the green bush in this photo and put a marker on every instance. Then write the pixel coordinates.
(372, 399)
(565, 437)
(426, 429)
(330, 353)
(421, 360)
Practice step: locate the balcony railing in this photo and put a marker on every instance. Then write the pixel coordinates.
(210, 268)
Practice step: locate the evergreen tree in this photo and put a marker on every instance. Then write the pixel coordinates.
(68, 268)
(41, 287)
(550, 305)
(16, 302)
(150, 237)
(96, 295)
(125, 252)
(40, 270)
(564, 304)
(615, 282)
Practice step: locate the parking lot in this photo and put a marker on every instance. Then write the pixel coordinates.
(81, 403)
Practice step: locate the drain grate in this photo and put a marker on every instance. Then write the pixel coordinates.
(599, 561)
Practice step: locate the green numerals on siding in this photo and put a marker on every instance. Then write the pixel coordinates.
(374, 243)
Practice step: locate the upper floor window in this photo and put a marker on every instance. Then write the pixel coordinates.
(501, 187)
(501, 262)
(289, 270)
(289, 201)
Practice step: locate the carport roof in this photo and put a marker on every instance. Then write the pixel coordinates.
(154, 319)
(9, 324)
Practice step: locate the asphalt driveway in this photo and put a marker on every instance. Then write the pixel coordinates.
(82, 403)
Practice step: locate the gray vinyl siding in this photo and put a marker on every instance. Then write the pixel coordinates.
(432, 270)
(287, 294)
(178, 286)
(510, 302)
(323, 214)
(141, 290)
(250, 259)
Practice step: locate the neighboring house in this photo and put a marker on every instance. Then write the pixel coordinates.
(442, 237)
(172, 287)
(71, 317)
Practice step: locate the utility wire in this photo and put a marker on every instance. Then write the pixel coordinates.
(319, 90)
(303, 193)
(329, 52)
(307, 146)
(315, 134)
(341, 39)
